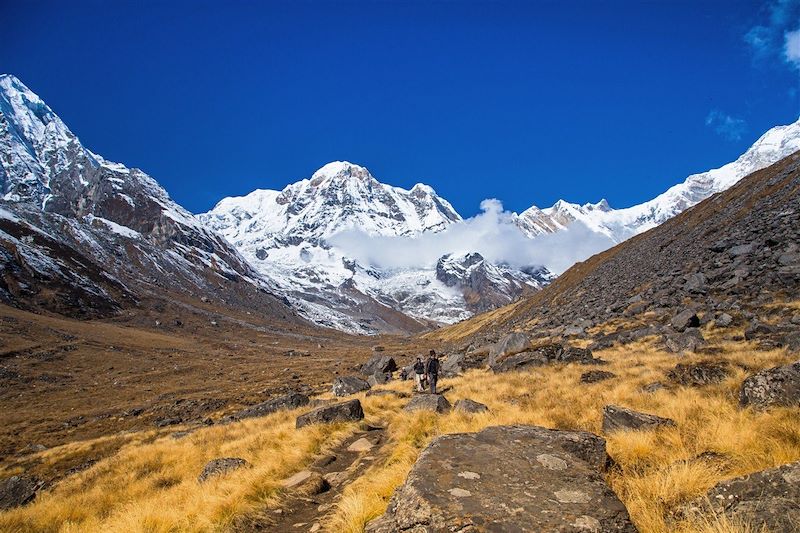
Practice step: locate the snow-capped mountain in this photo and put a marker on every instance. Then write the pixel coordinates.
(620, 224)
(86, 236)
(289, 237)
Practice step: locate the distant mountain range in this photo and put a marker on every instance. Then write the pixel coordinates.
(83, 236)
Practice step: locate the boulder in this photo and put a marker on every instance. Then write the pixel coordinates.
(347, 385)
(653, 387)
(688, 341)
(520, 361)
(571, 354)
(699, 374)
(338, 412)
(685, 319)
(379, 378)
(221, 466)
(379, 363)
(510, 344)
(757, 330)
(18, 490)
(470, 406)
(289, 401)
(765, 501)
(723, 321)
(779, 386)
(452, 365)
(508, 478)
(593, 376)
(428, 402)
(617, 418)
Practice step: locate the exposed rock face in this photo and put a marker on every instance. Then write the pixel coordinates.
(508, 478)
(428, 402)
(379, 363)
(593, 376)
(286, 402)
(779, 386)
(18, 490)
(221, 466)
(766, 499)
(617, 418)
(699, 374)
(470, 406)
(347, 385)
(339, 412)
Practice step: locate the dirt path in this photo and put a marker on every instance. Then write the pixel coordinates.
(311, 494)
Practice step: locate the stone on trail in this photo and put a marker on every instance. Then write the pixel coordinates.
(470, 406)
(508, 478)
(361, 445)
(221, 466)
(765, 500)
(347, 385)
(428, 402)
(617, 418)
(338, 412)
(18, 490)
(306, 482)
(779, 386)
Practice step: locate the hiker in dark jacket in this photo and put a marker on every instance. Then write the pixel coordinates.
(419, 374)
(433, 370)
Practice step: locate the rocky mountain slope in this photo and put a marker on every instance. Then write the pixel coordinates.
(290, 236)
(620, 224)
(82, 236)
(734, 258)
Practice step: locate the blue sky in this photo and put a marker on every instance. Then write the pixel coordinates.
(527, 102)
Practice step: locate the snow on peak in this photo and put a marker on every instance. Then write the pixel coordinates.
(335, 168)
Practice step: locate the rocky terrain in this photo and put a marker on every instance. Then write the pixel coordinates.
(730, 260)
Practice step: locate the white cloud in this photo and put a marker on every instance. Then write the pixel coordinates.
(791, 48)
(492, 233)
(776, 37)
(731, 128)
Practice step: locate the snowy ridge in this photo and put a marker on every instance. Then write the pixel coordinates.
(620, 224)
(286, 235)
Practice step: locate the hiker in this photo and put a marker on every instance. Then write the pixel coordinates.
(433, 370)
(419, 374)
(403, 374)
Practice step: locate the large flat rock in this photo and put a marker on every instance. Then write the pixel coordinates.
(508, 478)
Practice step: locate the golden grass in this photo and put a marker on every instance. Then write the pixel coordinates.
(153, 486)
(150, 484)
(657, 471)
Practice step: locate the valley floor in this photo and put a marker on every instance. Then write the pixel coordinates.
(148, 482)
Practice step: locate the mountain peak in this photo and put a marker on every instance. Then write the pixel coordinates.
(336, 168)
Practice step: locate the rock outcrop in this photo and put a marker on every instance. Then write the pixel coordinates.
(347, 385)
(221, 466)
(699, 374)
(765, 500)
(435, 403)
(509, 345)
(338, 412)
(507, 478)
(779, 386)
(288, 401)
(379, 363)
(18, 490)
(617, 418)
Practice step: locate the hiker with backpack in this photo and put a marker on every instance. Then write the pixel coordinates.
(432, 369)
(419, 374)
